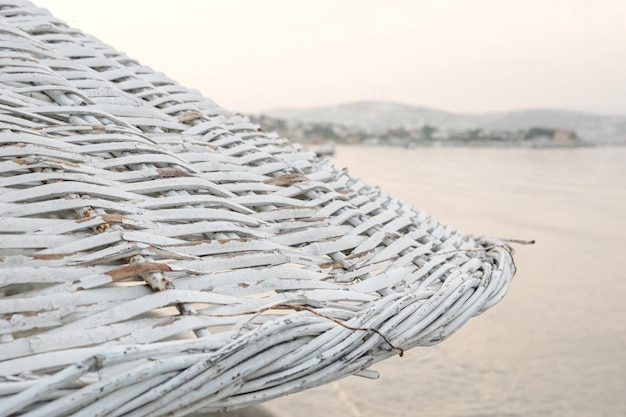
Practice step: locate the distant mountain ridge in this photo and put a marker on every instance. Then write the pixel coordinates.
(378, 116)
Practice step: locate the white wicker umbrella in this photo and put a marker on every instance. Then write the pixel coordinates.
(160, 255)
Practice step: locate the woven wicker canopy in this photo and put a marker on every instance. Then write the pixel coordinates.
(160, 255)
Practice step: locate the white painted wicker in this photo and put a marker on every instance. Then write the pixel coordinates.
(160, 255)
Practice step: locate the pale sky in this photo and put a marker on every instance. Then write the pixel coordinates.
(456, 55)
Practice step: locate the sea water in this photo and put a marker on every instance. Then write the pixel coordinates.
(556, 344)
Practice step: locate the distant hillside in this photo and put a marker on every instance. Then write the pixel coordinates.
(381, 116)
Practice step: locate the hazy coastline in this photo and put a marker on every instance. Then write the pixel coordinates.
(396, 124)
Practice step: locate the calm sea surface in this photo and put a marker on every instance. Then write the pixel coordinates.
(556, 345)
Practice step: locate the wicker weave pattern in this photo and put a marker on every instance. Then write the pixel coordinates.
(160, 255)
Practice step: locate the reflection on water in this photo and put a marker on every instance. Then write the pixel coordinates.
(556, 344)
